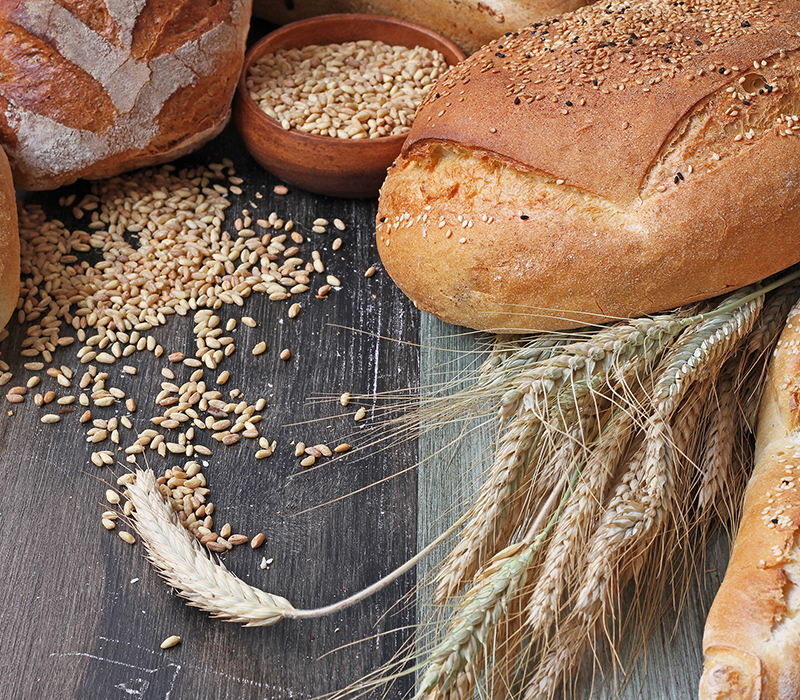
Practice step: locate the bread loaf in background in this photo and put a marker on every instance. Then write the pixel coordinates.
(467, 23)
(752, 634)
(9, 244)
(92, 88)
(623, 159)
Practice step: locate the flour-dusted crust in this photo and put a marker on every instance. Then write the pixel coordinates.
(91, 89)
(623, 159)
(752, 635)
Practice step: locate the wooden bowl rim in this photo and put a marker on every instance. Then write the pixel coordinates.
(253, 111)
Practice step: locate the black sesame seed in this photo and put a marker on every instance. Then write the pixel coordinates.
(568, 103)
(594, 81)
(516, 100)
(774, 521)
(680, 176)
(745, 23)
(382, 219)
(698, 42)
(499, 55)
(722, 71)
(524, 217)
(677, 180)
(746, 102)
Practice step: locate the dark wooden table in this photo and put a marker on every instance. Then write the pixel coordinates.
(82, 613)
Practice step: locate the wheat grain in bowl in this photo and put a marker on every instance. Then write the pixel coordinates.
(352, 90)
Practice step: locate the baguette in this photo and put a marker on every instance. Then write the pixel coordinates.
(752, 635)
(624, 159)
(90, 89)
(467, 23)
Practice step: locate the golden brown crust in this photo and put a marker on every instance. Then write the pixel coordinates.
(89, 87)
(9, 243)
(752, 634)
(664, 183)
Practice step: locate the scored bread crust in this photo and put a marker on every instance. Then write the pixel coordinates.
(752, 634)
(9, 243)
(94, 88)
(611, 162)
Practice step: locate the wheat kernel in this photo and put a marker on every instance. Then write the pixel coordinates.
(172, 640)
(127, 537)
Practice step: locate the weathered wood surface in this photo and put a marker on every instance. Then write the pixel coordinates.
(83, 613)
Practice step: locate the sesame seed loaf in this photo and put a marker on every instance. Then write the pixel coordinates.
(467, 23)
(623, 159)
(752, 635)
(9, 244)
(93, 88)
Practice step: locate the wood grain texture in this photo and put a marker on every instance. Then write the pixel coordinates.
(83, 613)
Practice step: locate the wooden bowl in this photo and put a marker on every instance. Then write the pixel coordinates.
(325, 164)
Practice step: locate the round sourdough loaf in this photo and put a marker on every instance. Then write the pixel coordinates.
(626, 158)
(93, 88)
(9, 243)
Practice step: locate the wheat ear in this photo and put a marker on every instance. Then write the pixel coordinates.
(185, 565)
(572, 530)
(512, 457)
(207, 584)
(718, 453)
(450, 669)
(589, 363)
